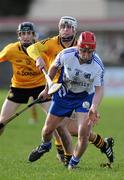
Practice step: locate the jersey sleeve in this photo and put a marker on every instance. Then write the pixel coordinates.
(99, 79)
(59, 60)
(5, 54)
(35, 50)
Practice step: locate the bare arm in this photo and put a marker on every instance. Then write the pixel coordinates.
(99, 91)
(93, 111)
(52, 71)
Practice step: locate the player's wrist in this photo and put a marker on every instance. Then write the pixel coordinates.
(93, 107)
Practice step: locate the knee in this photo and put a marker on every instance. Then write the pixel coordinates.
(60, 130)
(47, 131)
(83, 137)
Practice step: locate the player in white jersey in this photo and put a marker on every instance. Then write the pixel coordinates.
(82, 77)
(79, 77)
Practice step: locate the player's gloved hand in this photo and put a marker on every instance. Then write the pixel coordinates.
(40, 63)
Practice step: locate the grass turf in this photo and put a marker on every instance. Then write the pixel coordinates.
(20, 138)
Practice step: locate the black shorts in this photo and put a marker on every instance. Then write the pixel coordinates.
(22, 95)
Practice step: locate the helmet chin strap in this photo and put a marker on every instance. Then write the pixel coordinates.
(25, 45)
(67, 39)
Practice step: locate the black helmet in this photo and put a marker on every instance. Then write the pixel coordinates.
(26, 26)
(23, 27)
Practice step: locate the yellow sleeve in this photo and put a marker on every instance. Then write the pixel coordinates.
(35, 50)
(5, 54)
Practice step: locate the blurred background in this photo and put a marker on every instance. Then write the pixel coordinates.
(104, 17)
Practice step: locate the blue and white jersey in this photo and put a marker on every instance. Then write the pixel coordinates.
(79, 77)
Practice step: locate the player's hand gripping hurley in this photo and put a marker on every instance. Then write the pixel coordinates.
(53, 87)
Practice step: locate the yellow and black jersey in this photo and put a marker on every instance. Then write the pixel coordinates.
(51, 47)
(25, 72)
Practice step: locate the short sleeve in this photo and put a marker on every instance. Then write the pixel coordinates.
(59, 60)
(99, 78)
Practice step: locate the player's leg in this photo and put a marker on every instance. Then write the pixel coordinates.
(16, 97)
(66, 142)
(72, 125)
(104, 144)
(34, 114)
(63, 151)
(51, 123)
(45, 106)
(83, 135)
(59, 147)
(72, 130)
(8, 109)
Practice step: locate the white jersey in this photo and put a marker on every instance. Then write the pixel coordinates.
(79, 77)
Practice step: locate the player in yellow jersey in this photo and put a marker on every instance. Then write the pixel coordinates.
(51, 47)
(27, 80)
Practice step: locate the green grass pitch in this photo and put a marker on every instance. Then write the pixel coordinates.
(20, 138)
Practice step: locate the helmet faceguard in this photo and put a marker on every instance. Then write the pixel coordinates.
(26, 27)
(87, 40)
(69, 21)
(67, 39)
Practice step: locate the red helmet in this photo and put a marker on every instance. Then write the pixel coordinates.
(87, 39)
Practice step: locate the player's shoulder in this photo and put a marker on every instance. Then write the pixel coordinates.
(49, 40)
(11, 46)
(98, 61)
(67, 53)
(69, 50)
(55, 38)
